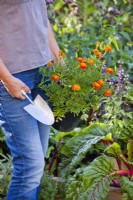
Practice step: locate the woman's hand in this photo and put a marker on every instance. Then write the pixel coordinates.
(14, 86)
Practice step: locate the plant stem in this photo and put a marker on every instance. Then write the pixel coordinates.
(53, 157)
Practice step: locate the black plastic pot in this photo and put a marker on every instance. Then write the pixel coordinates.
(68, 123)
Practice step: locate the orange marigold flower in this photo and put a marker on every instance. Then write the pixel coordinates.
(96, 86)
(108, 93)
(100, 82)
(95, 50)
(108, 48)
(90, 62)
(61, 53)
(109, 70)
(80, 59)
(55, 77)
(76, 87)
(99, 54)
(49, 64)
(84, 60)
(83, 65)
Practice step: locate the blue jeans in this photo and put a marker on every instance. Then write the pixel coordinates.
(26, 138)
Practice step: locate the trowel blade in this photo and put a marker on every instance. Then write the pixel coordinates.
(40, 111)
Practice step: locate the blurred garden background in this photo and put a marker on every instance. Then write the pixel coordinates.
(86, 162)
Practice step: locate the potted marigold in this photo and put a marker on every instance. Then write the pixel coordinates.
(77, 84)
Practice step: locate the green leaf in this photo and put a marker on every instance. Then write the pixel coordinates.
(127, 186)
(125, 35)
(113, 149)
(97, 178)
(83, 142)
(82, 152)
(91, 182)
(114, 41)
(130, 150)
(125, 196)
(61, 135)
(108, 137)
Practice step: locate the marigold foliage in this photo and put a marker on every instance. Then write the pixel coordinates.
(60, 80)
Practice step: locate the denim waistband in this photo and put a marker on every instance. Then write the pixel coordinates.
(29, 77)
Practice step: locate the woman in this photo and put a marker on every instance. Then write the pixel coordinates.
(26, 43)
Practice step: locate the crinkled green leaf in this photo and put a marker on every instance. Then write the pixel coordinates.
(127, 186)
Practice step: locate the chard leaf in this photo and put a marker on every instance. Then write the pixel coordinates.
(82, 152)
(74, 144)
(113, 149)
(91, 182)
(125, 196)
(97, 178)
(82, 143)
(127, 186)
(130, 150)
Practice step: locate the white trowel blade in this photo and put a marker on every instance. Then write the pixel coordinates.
(40, 111)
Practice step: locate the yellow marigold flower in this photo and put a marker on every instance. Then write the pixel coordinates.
(100, 82)
(91, 62)
(49, 64)
(108, 48)
(109, 70)
(99, 54)
(108, 93)
(76, 87)
(96, 86)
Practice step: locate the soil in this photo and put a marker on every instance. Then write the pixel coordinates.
(115, 194)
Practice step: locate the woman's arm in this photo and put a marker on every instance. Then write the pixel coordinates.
(54, 48)
(12, 84)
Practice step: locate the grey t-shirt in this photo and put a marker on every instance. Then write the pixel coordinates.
(23, 34)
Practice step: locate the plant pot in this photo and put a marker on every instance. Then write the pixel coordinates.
(68, 123)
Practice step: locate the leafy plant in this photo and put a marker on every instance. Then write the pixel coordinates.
(51, 187)
(93, 182)
(78, 83)
(5, 173)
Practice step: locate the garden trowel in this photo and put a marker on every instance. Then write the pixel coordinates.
(39, 109)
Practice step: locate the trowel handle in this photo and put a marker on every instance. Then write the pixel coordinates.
(24, 93)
